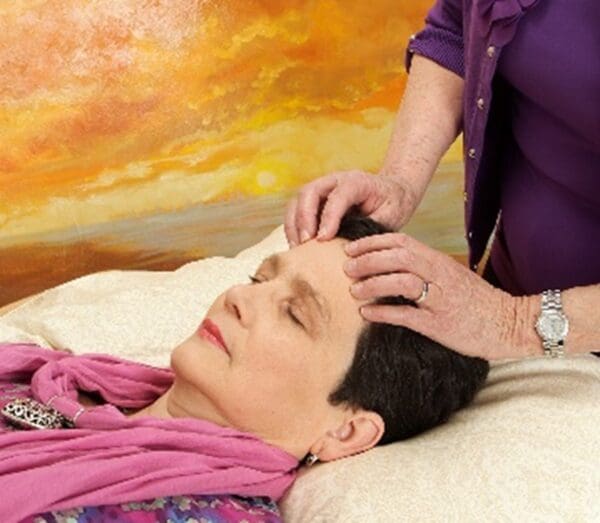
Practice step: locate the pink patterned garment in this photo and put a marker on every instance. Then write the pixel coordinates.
(175, 509)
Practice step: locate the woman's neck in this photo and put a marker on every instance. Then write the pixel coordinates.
(158, 409)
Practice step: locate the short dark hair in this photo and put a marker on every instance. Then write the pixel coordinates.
(411, 381)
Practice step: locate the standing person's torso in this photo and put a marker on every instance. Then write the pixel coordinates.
(550, 199)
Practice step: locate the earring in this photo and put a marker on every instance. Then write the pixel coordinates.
(311, 459)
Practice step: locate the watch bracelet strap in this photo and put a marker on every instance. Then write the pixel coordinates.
(554, 349)
(551, 301)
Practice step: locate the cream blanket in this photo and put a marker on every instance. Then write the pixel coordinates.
(527, 449)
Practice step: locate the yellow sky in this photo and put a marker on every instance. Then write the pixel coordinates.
(111, 110)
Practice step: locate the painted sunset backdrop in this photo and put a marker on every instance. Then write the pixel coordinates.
(138, 134)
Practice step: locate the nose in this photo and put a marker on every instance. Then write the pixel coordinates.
(236, 303)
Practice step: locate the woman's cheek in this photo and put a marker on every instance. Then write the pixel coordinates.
(269, 344)
(280, 361)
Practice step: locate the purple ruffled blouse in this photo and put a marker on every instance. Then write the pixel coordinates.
(531, 124)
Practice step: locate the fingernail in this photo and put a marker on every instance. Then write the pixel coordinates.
(350, 248)
(368, 313)
(355, 288)
(304, 236)
(350, 265)
(322, 233)
(292, 243)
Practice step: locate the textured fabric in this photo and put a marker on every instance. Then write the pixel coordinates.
(210, 509)
(109, 458)
(187, 509)
(525, 450)
(441, 40)
(546, 179)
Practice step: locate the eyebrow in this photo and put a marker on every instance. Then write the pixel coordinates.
(301, 287)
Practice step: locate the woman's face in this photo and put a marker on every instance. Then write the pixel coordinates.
(290, 337)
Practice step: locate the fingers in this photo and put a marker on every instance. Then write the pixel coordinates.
(417, 319)
(323, 202)
(289, 225)
(378, 242)
(396, 284)
(303, 212)
(339, 200)
(387, 253)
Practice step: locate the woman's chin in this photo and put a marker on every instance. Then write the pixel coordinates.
(192, 357)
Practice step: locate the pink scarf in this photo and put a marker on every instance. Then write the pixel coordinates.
(108, 458)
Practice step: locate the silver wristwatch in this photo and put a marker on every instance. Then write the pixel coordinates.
(552, 325)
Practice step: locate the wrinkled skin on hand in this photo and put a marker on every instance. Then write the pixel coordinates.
(461, 310)
(321, 204)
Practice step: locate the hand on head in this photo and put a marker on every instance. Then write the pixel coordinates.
(457, 308)
(321, 204)
(460, 310)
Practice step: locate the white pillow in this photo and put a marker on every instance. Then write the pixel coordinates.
(527, 449)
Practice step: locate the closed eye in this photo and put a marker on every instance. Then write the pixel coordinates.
(288, 309)
(293, 317)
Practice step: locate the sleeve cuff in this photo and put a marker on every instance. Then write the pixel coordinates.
(442, 46)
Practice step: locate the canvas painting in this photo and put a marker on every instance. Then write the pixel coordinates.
(141, 135)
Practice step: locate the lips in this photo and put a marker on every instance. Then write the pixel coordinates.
(209, 331)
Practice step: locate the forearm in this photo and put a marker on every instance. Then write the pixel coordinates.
(581, 305)
(428, 121)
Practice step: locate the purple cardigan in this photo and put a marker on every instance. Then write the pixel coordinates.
(531, 123)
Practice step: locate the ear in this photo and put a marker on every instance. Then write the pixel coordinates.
(361, 431)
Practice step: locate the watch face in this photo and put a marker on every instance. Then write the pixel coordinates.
(553, 327)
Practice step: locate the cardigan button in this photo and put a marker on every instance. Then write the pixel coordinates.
(491, 51)
(470, 235)
(465, 196)
(480, 103)
(471, 153)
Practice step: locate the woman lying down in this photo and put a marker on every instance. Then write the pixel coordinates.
(282, 372)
